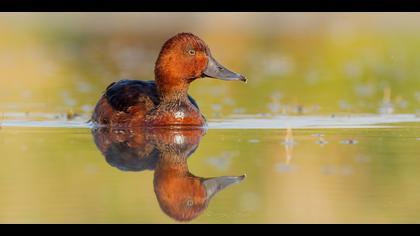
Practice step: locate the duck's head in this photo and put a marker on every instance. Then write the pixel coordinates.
(183, 196)
(185, 58)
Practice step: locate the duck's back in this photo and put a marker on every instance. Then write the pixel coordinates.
(126, 102)
(127, 93)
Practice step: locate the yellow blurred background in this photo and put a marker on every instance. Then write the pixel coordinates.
(296, 62)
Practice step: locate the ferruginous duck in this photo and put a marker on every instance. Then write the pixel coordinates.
(165, 101)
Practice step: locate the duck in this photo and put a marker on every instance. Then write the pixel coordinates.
(180, 194)
(184, 58)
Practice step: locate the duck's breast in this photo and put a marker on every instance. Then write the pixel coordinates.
(175, 114)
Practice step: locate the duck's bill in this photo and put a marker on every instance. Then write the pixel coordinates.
(217, 71)
(215, 185)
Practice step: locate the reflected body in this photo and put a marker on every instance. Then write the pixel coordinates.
(181, 195)
(165, 101)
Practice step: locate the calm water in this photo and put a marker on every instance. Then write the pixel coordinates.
(134, 176)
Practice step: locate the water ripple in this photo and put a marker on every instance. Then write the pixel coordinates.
(232, 122)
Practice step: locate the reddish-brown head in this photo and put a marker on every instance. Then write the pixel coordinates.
(183, 196)
(180, 194)
(184, 58)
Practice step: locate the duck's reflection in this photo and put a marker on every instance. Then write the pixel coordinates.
(181, 195)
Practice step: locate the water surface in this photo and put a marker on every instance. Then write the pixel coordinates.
(304, 175)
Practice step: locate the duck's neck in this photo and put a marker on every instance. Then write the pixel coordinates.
(171, 90)
(173, 163)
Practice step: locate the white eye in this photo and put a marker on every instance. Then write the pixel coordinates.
(191, 52)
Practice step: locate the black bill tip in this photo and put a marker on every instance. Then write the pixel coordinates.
(243, 79)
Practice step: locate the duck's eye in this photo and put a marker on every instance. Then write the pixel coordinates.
(191, 52)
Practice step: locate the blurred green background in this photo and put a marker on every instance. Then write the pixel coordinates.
(297, 63)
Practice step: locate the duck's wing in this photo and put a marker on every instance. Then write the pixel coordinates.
(126, 149)
(126, 102)
(126, 93)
